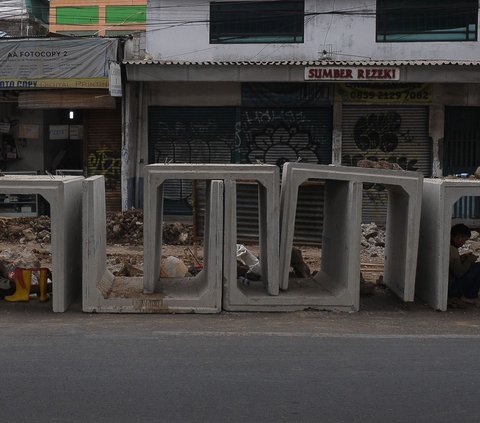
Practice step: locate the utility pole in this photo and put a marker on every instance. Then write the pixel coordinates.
(21, 20)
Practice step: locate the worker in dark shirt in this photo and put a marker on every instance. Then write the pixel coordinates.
(464, 271)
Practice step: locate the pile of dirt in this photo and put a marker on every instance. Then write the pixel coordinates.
(127, 228)
(25, 229)
(124, 228)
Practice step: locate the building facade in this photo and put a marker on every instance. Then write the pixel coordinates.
(25, 18)
(323, 82)
(97, 18)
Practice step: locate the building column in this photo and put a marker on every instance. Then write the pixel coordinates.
(436, 131)
(101, 20)
(337, 132)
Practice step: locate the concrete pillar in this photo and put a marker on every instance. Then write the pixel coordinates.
(437, 131)
(337, 132)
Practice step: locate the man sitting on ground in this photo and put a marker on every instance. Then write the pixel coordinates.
(464, 272)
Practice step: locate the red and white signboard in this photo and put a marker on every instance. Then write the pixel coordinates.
(341, 73)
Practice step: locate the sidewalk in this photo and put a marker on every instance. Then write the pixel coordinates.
(381, 314)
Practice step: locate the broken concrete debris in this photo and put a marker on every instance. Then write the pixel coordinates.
(249, 264)
(17, 257)
(381, 164)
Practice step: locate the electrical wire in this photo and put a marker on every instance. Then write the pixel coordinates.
(197, 11)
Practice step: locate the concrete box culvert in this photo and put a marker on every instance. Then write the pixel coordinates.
(64, 194)
(199, 294)
(340, 269)
(267, 177)
(439, 197)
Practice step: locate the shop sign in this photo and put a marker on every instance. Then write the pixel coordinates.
(76, 132)
(384, 93)
(58, 132)
(19, 84)
(55, 63)
(343, 73)
(29, 131)
(115, 80)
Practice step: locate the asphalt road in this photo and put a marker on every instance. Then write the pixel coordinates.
(373, 366)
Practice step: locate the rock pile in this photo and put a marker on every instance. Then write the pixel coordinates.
(25, 229)
(372, 241)
(122, 228)
(127, 228)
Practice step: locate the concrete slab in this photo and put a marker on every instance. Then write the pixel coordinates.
(103, 292)
(403, 220)
(268, 178)
(439, 197)
(64, 194)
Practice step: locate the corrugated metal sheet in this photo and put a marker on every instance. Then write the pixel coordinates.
(397, 134)
(308, 223)
(462, 152)
(307, 63)
(247, 210)
(104, 142)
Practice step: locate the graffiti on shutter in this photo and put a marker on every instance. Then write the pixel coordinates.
(276, 136)
(395, 134)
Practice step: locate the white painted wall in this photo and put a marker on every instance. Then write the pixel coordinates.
(179, 31)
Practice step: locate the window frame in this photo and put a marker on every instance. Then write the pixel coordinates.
(414, 10)
(119, 14)
(80, 15)
(218, 22)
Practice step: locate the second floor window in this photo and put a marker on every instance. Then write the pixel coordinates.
(77, 15)
(426, 20)
(257, 22)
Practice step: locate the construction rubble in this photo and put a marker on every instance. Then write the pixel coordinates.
(126, 228)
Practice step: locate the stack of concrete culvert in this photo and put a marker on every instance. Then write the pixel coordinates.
(335, 285)
(216, 286)
(419, 216)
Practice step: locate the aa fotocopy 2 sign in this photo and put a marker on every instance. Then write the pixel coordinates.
(343, 73)
(56, 63)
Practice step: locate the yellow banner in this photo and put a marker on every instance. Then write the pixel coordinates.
(29, 84)
(384, 93)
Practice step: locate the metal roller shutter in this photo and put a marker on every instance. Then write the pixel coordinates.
(462, 152)
(308, 225)
(104, 142)
(215, 135)
(189, 135)
(277, 135)
(396, 134)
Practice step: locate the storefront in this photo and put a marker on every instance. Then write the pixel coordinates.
(273, 123)
(462, 153)
(60, 108)
(319, 112)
